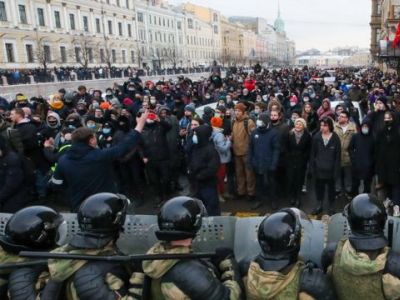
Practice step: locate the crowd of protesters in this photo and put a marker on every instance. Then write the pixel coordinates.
(271, 133)
(40, 75)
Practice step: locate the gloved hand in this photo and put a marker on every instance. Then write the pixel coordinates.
(222, 253)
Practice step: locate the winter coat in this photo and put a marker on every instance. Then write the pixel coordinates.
(325, 160)
(241, 136)
(204, 160)
(173, 140)
(263, 155)
(361, 151)
(345, 138)
(222, 145)
(84, 170)
(155, 145)
(297, 154)
(387, 158)
(13, 188)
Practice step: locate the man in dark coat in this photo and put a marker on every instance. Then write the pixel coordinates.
(86, 170)
(263, 157)
(13, 190)
(387, 149)
(156, 154)
(325, 163)
(203, 166)
(361, 151)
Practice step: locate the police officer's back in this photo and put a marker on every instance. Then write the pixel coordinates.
(277, 273)
(363, 266)
(34, 228)
(101, 218)
(179, 220)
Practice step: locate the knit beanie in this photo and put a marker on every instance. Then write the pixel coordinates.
(216, 122)
(241, 107)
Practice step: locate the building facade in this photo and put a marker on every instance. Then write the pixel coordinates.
(40, 33)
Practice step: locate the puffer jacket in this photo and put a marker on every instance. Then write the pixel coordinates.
(222, 145)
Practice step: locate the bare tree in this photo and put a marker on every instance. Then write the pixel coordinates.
(83, 50)
(42, 52)
(171, 55)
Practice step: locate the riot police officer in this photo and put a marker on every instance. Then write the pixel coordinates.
(363, 266)
(277, 272)
(101, 218)
(179, 220)
(34, 228)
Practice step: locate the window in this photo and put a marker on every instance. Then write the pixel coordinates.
(57, 19)
(110, 31)
(140, 16)
(102, 56)
(156, 36)
(123, 56)
(165, 37)
(159, 21)
(114, 55)
(190, 23)
(22, 14)
(10, 52)
(150, 18)
(118, 4)
(215, 17)
(215, 29)
(85, 23)
(63, 54)
(127, 3)
(77, 54)
(163, 22)
(132, 56)
(41, 17)
(108, 1)
(155, 20)
(90, 54)
(129, 30)
(120, 28)
(72, 21)
(47, 53)
(168, 22)
(3, 13)
(179, 25)
(29, 53)
(98, 28)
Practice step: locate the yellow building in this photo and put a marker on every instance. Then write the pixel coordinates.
(231, 42)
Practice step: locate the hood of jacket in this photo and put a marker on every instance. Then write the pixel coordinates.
(78, 150)
(272, 283)
(54, 115)
(358, 263)
(158, 268)
(203, 133)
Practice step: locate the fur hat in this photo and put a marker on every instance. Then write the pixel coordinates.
(241, 107)
(302, 121)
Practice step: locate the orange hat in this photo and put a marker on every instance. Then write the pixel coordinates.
(216, 122)
(105, 106)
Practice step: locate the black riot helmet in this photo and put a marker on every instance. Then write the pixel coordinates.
(279, 236)
(103, 213)
(366, 216)
(180, 218)
(34, 228)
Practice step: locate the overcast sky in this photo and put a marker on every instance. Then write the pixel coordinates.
(321, 24)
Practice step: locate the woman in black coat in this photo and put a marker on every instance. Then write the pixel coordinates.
(13, 188)
(297, 154)
(361, 151)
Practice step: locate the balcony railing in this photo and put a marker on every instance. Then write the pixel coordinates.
(386, 49)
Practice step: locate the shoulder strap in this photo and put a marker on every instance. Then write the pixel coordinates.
(246, 125)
